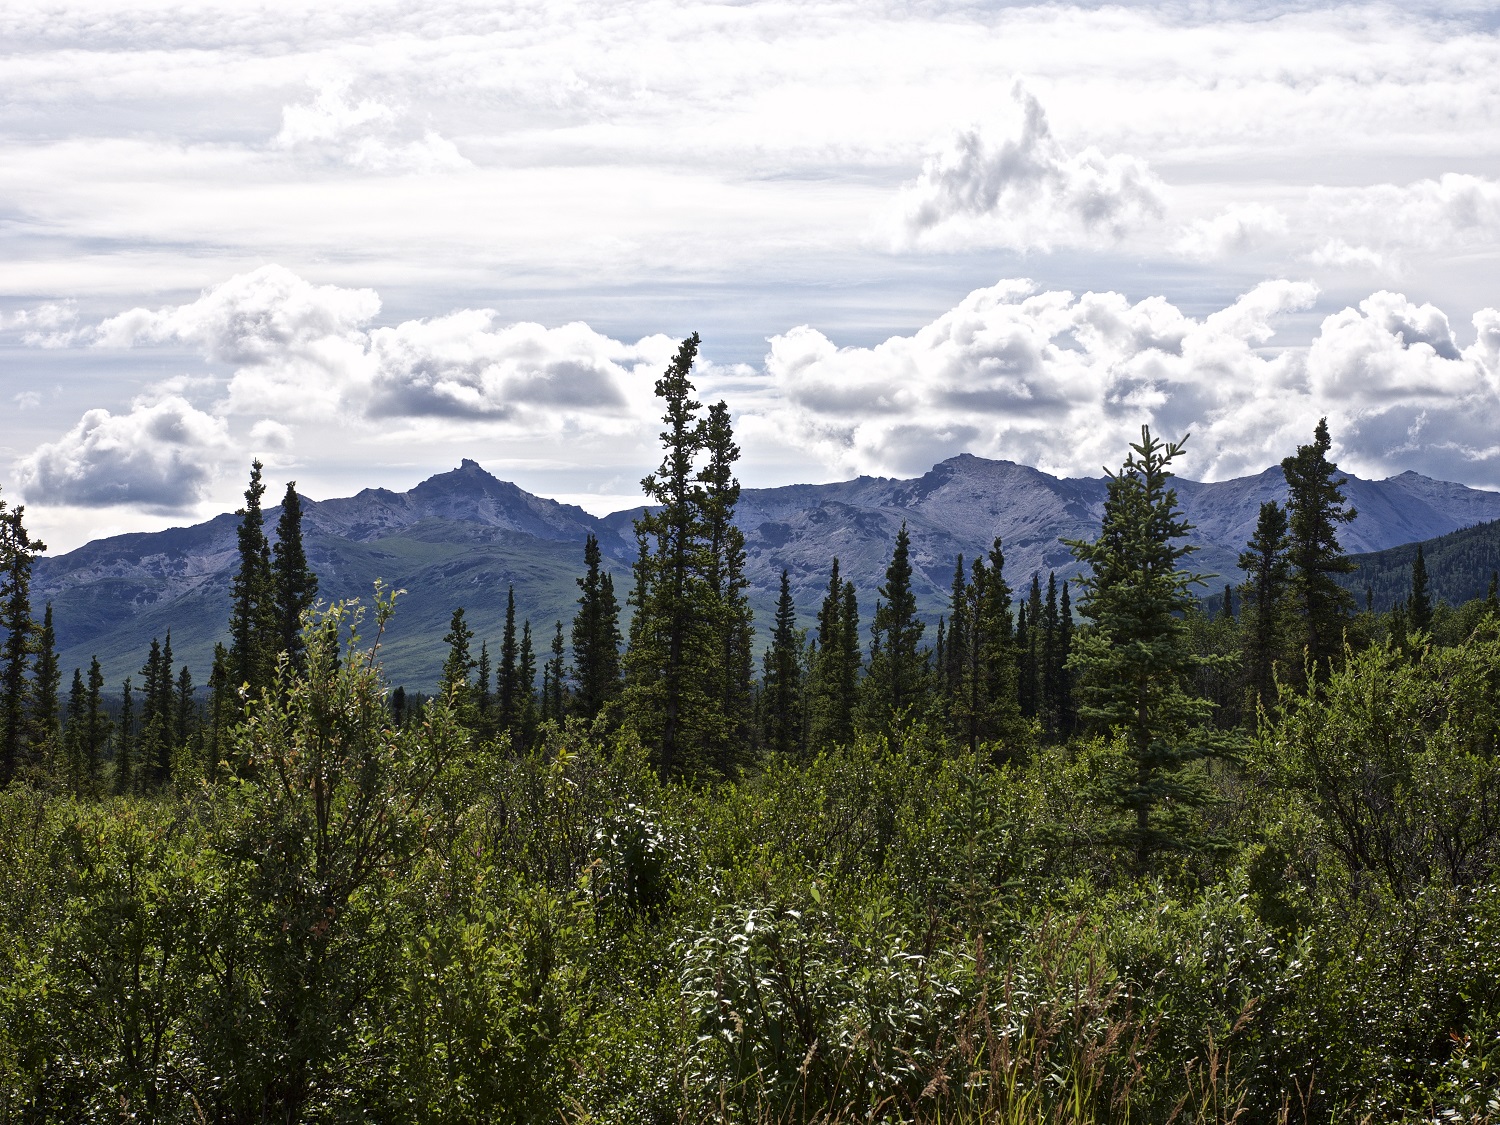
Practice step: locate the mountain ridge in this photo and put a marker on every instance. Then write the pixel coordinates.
(462, 537)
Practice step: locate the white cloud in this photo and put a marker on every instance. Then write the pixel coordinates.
(51, 324)
(159, 457)
(367, 134)
(1063, 382)
(1234, 231)
(1015, 185)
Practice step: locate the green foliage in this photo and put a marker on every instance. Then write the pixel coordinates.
(1134, 666)
(1315, 508)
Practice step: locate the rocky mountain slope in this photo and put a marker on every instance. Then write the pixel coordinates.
(461, 538)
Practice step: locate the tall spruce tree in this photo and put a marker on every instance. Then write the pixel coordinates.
(554, 687)
(295, 586)
(992, 706)
(834, 668)
(687, 668)
(896, 686)
(781, 682)
(508, 686)
(18, 551)
(73, 770)
(45, 717)
(526, 709)
(1263, 607)
(1315, 508)
(596, 636)
(458, 664)
(724, 548)
(252, 617)
(1135, 664)
(96, 725)
(125, 746)
(1419, 606)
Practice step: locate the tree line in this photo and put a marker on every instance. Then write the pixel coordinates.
(1004, 671)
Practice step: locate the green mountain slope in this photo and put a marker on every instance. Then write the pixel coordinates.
(1459, 566)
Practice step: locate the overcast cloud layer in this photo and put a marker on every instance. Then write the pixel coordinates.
(364, 241)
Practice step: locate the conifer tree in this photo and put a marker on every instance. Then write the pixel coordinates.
(1067, 709)
(1135, 664)
(554, 690)
(687, 683)
(46, 681)
(834, 668)
(97, 725)
(956, 657)
(897, 682)
(781, 697)
(596, 636)
(508, 688)
(484, 698)
(1420, 603)
(1492, 595)
(992, 705)
(295, 586)
(724, 546)
(1051, 664)
(73, 735)
(1263, 604)
(18, 551)
(457, 665)
(125, 765)
(186, 759)
(222, 707)
(526, 709)
(1315, 508)
(252, 618)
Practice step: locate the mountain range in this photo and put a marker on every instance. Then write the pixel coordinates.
(463, 537)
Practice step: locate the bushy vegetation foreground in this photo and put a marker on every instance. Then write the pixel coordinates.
(351, 919)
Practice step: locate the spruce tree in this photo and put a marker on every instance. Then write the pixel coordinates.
(125, 767)
(454, 679)
(526, 709)
(724, 548)
(596, 636)
(73, 735)
(554, 695)
(956, 657)
(781, 697)
(46, 681)
(897, 682)
(186, 761)
(295, 585)
(687, 683)
(508, 688)
(252, 618)
(1051, 666)
(222, 707)
(1135, 664)
(97, 725)
(1420, 603)
(829, 694)
(992, 705)
(1315, 508)
(1263, 602)
(18, 551)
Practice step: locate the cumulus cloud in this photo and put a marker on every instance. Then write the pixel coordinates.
(367, 134)
(1014, 185)
(52, 324)
(160, 457)
(1233, 231)
(306, 351)
(296, 346)
(1063, 382)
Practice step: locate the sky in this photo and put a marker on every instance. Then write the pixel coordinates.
(364, 241)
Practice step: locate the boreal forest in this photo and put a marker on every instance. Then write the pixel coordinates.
(1137, 847)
